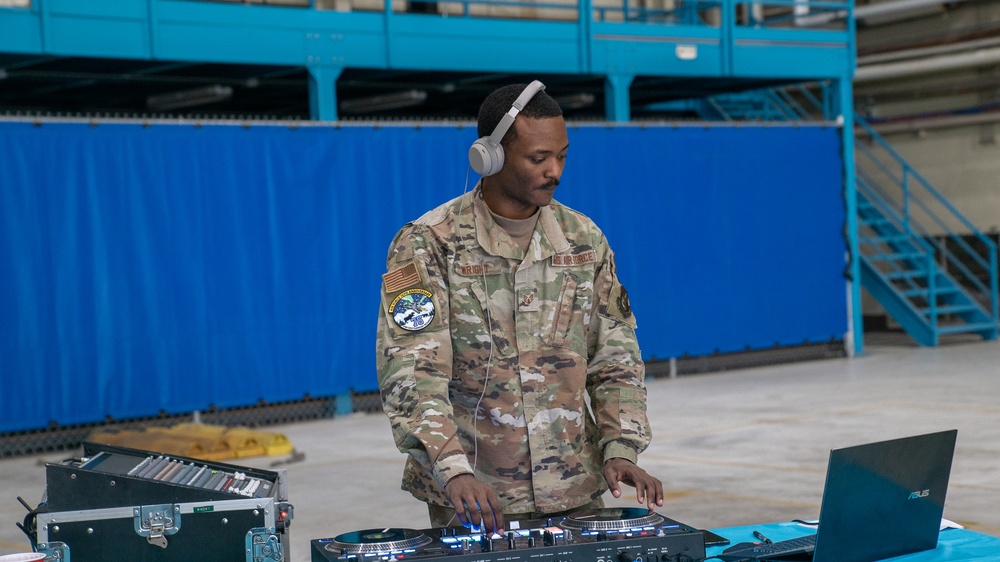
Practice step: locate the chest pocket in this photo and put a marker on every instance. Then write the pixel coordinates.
(478, 292)
(569, 318)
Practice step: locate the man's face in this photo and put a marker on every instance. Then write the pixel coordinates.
(533, 164)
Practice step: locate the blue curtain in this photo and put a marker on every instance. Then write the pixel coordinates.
(171, 267)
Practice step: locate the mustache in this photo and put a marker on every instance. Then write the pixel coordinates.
(551, 184)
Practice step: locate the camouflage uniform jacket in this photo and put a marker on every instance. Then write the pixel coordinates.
(486, 353)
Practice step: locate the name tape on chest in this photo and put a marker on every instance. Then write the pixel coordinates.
(477, 269)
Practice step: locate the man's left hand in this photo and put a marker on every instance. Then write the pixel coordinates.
(648, 490)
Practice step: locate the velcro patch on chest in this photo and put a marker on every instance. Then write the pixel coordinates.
(564, 260)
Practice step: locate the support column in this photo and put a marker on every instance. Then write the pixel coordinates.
(844, 104)
(323, 92)
(616, 97)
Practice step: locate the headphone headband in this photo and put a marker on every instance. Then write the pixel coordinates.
(522, 100)
(486, 154)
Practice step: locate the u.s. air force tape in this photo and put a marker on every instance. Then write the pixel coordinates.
(412, 309)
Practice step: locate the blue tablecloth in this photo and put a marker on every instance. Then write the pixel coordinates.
(953, 544)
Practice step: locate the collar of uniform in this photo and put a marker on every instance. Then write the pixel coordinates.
(547, 240)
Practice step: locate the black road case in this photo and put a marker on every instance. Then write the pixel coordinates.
(219, 531)
(116, 503)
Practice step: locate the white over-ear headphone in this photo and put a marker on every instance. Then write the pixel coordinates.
(486, 154)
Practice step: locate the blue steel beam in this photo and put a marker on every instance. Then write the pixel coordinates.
(844, 103)
(323, 92)
(616, 97)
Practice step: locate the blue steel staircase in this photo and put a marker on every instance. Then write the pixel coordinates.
(930, 279)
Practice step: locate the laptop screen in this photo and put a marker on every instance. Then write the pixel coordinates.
(884, 499)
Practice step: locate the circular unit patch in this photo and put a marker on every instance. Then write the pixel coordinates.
(412, 309)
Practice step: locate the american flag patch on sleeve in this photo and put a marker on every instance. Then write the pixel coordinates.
(400, 278)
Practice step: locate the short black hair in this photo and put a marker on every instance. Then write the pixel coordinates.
(499, 102)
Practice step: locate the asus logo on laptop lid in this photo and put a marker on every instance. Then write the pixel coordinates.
(920, 494)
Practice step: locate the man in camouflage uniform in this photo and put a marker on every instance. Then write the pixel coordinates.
(501, 317)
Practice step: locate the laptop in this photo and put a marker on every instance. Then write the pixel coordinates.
(880, 500)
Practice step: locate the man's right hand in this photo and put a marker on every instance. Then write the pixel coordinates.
(475, 502)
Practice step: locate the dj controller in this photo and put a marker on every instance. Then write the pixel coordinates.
(603, 535)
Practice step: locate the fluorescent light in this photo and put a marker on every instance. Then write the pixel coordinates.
(384, 102)
(575, 101)
(189, 98)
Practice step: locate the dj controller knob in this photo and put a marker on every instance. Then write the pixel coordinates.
(624, 556)
(486, 543)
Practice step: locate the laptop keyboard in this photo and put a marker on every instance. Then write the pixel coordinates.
(759, 551)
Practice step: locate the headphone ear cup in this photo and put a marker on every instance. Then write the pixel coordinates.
(486, 157)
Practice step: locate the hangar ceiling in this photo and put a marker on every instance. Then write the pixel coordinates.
(75, 86)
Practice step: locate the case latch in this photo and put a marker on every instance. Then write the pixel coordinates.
(55, 551)
(155, 522)
(263, 545)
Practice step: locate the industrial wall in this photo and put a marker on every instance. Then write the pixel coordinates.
(964, 165)
(170, 267)
(927, 80)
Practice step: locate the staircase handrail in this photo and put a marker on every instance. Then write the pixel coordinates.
(897, 180)
(909, 225)
(887, 209)
(926, 184)
(917, 233)
(949, 255)
(989, 264)
(798, 112)
(808, 95)
(909, 170)
(783, 105)
(871, 194)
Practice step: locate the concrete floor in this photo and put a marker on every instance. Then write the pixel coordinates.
(733, 448)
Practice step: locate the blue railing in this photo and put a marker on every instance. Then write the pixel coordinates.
(825, 14)
(686, 12)
(789, 103)
(919, 254)
(794, 13)
(919, 207)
